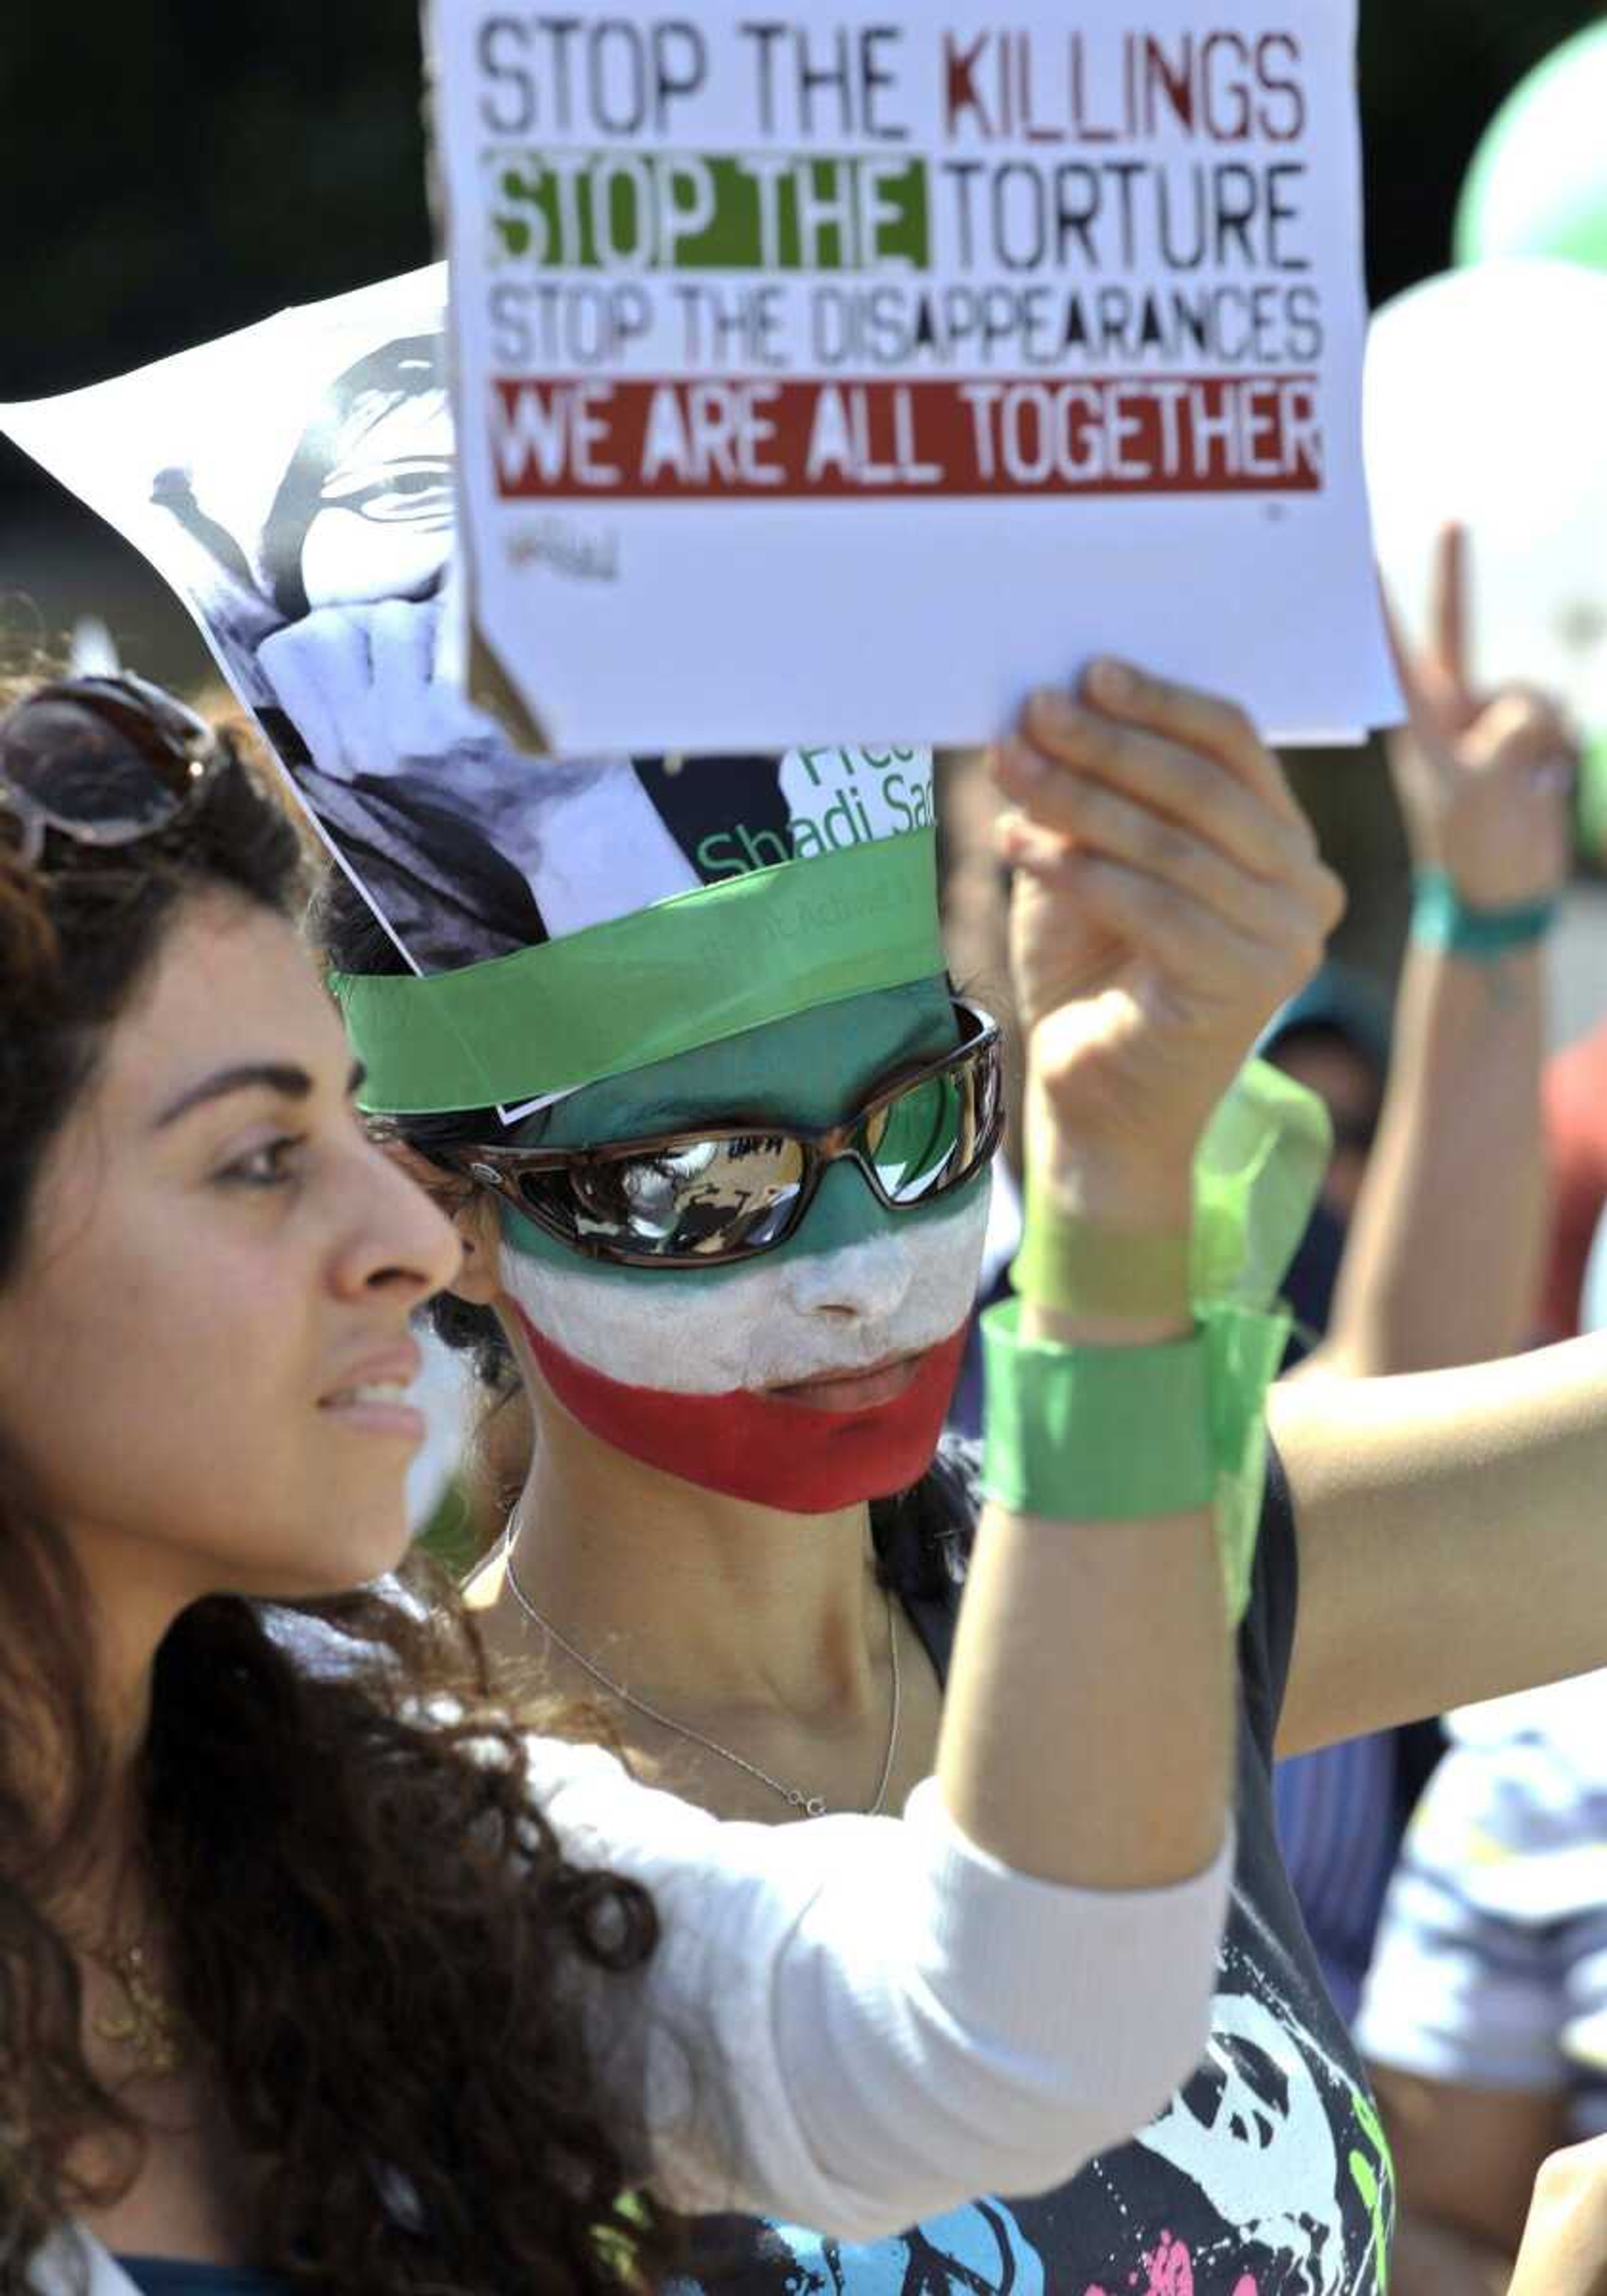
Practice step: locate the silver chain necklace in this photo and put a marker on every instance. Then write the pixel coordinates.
(811, 1805)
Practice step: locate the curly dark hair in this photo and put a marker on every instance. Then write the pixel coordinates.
(374, 1929)
(920, 1536)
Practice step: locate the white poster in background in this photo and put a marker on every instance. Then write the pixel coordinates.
(857, 368)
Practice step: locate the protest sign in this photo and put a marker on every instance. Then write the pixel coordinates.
(852, 371)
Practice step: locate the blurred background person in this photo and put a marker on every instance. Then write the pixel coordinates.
(1485, 2014)
(1485, 2017)
(1424, 1250)
(1576, 1150)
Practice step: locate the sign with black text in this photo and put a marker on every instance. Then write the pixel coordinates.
(855, 370)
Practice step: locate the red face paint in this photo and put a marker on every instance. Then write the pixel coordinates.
(760, 1448)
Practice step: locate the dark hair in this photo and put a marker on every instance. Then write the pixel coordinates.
(919, 1535)
(373, 1928)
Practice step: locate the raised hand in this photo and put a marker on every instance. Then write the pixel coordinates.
(1168, 896)
(361, 685)
(364, 686)
(1483, 779)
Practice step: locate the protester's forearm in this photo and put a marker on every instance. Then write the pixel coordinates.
(1443, 1256)
(1088, 1732)
(1103, 1647)
(1450, 1532)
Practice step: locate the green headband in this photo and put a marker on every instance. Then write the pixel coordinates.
(687, 971)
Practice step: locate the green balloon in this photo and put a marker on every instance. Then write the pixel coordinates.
(1538, 186)
(1539, 181)
(1590, 801)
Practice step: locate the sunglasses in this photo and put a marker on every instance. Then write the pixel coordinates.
(104, 762)
(729, 1191)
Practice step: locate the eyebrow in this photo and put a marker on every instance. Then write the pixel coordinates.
(285, 1077)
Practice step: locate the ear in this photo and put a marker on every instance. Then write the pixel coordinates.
(478, 1278)
(473, 1212)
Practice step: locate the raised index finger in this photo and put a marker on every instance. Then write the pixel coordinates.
(1450, 610)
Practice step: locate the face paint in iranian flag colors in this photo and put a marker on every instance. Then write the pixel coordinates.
(809, 1379)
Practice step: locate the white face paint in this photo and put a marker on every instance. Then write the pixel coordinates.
(788, 1317)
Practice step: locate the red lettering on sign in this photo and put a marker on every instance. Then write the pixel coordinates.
(731, 438)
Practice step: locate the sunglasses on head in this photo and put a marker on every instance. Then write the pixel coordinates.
(103, 761)
(729, 1191)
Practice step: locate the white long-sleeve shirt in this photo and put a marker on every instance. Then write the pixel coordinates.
(858, 2021)
(854, 2022)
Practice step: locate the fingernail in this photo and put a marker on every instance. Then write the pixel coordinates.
(1056, 711)
(1110, 681)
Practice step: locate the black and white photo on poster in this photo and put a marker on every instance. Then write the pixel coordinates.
(295, 482)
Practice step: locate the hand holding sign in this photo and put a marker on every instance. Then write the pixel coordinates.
(1169, 896)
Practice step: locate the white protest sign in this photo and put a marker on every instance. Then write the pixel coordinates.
(852, 371)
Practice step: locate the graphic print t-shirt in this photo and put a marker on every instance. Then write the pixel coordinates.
(1266, 2175)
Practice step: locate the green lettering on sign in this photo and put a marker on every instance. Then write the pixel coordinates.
(693, 211)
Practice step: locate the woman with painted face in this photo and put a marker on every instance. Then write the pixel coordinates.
(736, 1282)
(733, 1315)
(319, 1971)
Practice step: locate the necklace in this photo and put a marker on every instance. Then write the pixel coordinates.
(811, 1805)
(147, 2024)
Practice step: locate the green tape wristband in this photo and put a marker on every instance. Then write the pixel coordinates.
(1078, 1269)
(1257, 1174)
(1441, 919)
(1125, 1434)
(1094, 1434)
(1244, 1348)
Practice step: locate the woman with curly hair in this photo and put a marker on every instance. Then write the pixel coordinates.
(316, 1969)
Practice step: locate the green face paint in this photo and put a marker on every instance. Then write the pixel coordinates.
(807, 1378)
(810, 1069)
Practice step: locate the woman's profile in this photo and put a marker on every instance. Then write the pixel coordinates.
(327, 1960)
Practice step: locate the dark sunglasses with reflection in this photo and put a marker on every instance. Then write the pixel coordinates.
(100, 761)
(728, 1192)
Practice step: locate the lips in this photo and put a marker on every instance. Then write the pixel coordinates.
(374, 1392)
(870, 1390)
(760, 1445)
(757, 1386)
